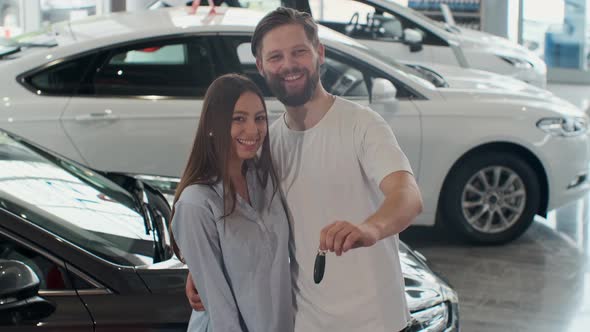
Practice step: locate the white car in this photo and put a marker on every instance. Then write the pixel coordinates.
(406, 34)
(122, 95)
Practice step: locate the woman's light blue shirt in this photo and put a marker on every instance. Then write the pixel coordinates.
(239, 263)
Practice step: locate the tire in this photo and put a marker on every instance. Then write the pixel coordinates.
(498, 210)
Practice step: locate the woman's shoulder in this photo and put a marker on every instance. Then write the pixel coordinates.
(198, 194)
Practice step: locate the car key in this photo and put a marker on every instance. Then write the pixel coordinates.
(319, 266)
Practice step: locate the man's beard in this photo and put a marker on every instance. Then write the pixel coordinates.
(276, 85)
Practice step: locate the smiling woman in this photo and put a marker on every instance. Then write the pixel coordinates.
(249, 126)
(229, 224)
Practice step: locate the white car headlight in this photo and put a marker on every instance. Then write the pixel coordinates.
(434, 319)
(566, 126)
(516, 62)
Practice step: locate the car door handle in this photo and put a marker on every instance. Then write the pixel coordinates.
(103, 116)
(276, 111)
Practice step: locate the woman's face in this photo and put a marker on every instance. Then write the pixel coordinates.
(249, 126)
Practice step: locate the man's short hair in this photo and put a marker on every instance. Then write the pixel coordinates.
(283, 16)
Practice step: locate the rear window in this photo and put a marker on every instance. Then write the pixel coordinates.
(61, 79)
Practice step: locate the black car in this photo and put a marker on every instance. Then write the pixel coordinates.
(87, 251)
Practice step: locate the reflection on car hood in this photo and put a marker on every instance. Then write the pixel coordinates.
(497, 45)
(471, 84)
(474, 39)
(463, 78)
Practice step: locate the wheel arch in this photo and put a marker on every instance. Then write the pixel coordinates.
(510, 147)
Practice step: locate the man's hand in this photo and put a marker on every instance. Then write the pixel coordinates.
(342, 236)
(192, 295)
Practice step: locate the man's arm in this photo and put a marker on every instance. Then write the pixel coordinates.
(192, 294)
(401, 205)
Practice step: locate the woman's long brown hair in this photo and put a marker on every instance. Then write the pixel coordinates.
(208, 162)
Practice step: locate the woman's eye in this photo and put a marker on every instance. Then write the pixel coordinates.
(239, 119)
(261, 118)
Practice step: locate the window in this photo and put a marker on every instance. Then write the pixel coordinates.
(341, 79)
(51, 275)
(363, 21)
(63, 78)
(247, 63)
(358, 20)
(164, 55)
(182, 69)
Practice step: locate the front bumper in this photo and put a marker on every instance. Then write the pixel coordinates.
(568, 169)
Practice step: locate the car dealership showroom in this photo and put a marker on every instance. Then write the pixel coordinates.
(116, 155)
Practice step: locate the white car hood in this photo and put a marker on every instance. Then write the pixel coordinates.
(468, 38)
(471, 84)
(519, 100)
(479, 80)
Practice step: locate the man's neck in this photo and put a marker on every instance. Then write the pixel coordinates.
(311, 113)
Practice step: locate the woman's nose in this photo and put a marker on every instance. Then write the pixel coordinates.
(251, 127)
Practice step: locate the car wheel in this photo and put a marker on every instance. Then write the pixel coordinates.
(491, 198)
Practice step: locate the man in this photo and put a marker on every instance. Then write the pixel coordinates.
(348, 186)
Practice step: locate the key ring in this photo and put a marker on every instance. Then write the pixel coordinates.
(319, 266)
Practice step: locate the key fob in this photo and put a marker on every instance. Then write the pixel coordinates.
(319, 266)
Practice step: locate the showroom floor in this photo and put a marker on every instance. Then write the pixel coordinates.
(540, 282)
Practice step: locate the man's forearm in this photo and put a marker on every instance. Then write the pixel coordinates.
(399, 208)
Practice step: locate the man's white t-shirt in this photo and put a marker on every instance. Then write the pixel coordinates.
(328, 173)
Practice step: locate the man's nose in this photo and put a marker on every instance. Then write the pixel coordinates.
(290, 62)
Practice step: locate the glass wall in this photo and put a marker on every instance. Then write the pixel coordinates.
(558, 31)
(23, 16)
(63, 10)
(11, 20)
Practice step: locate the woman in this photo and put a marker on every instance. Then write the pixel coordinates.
(228, 221)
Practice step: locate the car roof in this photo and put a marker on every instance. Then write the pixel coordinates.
(75, 37)
(99, 32)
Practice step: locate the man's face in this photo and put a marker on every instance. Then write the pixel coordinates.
(290, 64)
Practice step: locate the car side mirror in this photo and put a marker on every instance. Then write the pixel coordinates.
(19, 300)
(413, 38)
(383, 92)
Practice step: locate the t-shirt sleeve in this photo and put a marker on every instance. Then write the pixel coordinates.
(378, 150)
(195, 232)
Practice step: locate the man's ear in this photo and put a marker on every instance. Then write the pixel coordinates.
(259, 65)
(321, 53)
